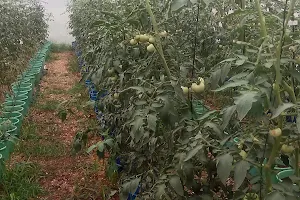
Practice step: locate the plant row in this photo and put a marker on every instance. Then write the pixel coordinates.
(23, 28)
(151, 66)
(16, 105)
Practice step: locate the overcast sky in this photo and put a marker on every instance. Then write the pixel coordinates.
(58, 26)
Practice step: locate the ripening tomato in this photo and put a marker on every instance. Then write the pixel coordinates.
(275, 132)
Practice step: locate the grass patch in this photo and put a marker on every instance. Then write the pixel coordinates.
(92, 168)
(29, 131)
(73, 65)
(78, 88)
(51, 57)
(45, 149)
(92, 124)
(20, 182)
(80, 96)
(56, 91)
(89, 188)
(33, 144)
(50, 105)
(61, 47)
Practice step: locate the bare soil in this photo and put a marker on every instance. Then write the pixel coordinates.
(64, 176)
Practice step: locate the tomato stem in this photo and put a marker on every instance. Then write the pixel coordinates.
(270, 162)
(243, 34)
(297, 160)
(261, 19)
(158, 41)
(290, 91)
(278, 78)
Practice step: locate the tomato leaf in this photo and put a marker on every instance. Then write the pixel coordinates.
(240, 62)
(161, 190)
(281, 108)
(224, 71)
(193, 152)
(214, 127)
(91, 148)
(131, 186)
(240, 172)
(136, 125)
(176, 184)
(244, 103)
(109, 142)
(151, 119)
(295, 74)
(224, 166)
(177, 4)
(231, 85)
(227, 115)
(215, 78)
(275, 196)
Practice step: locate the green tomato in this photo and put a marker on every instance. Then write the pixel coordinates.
(113, 78)
(185, 90)
(151, 48)
(110, 71)
(287, 148)
(152, 40)
(198, 88)
(251, 196)
(144, 38)
(116, 95)
(133, 41)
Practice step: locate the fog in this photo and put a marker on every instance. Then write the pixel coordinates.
(58, 25)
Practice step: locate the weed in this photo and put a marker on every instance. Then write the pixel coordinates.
(44, 149)
(78, 92)
(83, 189)
(93, 168)
(50, 105)
(58, 48)
(73, 65)
(29, 131)
(78, 88)
(35, 145)
(51, 57)
(55, 91)
(20, 182)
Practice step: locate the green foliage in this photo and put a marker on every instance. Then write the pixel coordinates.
(44, 149)
(32, 143)
(50, 105)
(51, 57)
(20, 182)
(162, 144)
(78, 88)
(23, 29)
(73, 65)
(59, 48)
(79, 142)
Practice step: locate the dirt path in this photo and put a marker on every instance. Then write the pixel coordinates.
(47, 140)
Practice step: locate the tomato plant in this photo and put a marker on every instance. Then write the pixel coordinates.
(243, 50)
(23, 29)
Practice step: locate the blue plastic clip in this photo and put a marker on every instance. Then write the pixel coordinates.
(119, 165)
(88, 83)
(133, 196)
(94, 95)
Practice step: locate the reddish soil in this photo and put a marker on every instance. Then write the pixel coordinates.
(64, 176)
(3, 89)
